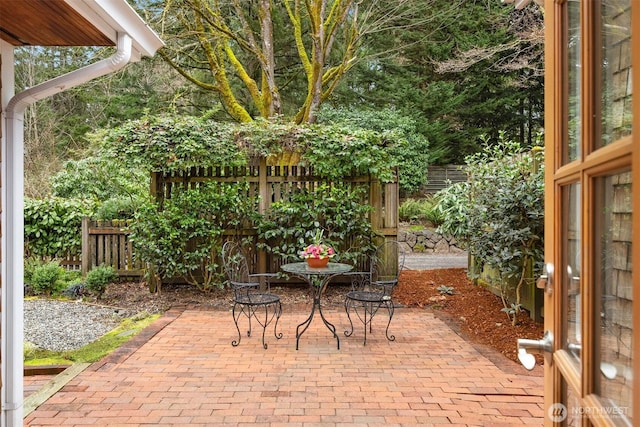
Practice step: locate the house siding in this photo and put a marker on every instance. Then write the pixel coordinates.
(1, 124)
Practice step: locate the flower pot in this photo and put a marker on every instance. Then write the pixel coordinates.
(317, 262)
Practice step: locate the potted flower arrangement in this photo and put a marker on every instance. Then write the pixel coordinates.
(318, 254)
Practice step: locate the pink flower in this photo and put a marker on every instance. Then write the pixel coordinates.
(318, 249)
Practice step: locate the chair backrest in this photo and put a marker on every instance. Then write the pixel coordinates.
(235, 263)
(386, 264)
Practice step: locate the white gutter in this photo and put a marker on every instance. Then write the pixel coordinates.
(13, 222)
(110, 16)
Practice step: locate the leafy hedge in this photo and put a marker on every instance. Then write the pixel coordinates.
(400, 138)
(172, 143)
(184, 238)
(290, 225)
(115, 195)
(52, 227)
(95, 178)
(169, 142)
(185, 235)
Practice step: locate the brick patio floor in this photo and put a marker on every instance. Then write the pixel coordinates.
(182, 370)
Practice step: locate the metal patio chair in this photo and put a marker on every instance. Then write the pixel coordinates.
(373, 289)
(252, 296)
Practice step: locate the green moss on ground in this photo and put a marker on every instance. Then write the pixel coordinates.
(91, 352)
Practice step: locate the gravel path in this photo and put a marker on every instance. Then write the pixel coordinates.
(420, 261)
(60, 325)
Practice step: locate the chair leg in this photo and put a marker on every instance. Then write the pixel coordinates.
(247, 311)
(391, 309)
(347, 307)
(264, 325)
(366, 310)
(369, 311)
(235, 343)
(278, 309)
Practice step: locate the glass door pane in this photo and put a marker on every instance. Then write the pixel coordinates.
(571, 150)
(615, 287)
(571, 269)
(573, 418)
(615, 70)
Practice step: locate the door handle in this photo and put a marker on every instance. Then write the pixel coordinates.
(545, 281)
(527, 359)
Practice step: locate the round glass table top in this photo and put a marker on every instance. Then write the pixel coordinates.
(304, 269)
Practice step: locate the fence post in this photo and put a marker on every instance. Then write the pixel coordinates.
(86, 250)
(375, 199)
(391, 202)
(154, 188)
(264, 202)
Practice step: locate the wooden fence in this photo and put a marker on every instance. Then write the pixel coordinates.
(272, 183)
(107, 242)
(441, 177)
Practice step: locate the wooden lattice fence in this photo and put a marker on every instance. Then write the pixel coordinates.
(108, 243)
(441, 177)
(272, 183)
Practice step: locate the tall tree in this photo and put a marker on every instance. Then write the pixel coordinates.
(253, 55)
(466, 74)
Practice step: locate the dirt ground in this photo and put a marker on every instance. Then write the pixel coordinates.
(472, 311)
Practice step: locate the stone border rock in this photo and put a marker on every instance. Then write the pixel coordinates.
(427, 241)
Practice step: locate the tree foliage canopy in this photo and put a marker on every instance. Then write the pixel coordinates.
(336, 150)
(267, 58)
(457, 69)
(472, 71)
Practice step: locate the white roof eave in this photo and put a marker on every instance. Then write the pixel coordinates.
(112, 17)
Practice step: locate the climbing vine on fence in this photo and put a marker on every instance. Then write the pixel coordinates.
(173, 143)
(185, 237)
(290, 225)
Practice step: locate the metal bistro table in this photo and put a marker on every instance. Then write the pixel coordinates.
(317, 278)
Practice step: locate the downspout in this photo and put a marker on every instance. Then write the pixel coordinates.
(13, 222)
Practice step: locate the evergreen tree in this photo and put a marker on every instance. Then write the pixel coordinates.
(471, 70)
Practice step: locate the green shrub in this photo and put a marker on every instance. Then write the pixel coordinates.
(30, 265)
(289, 225)
(454, 206)
(98, 278)
(420, 211)
(395, 133)
(70, 276)
(46, 278)
(52, 227)
(499, 212)
(184, 238)
(93, 178)
(117, 208)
